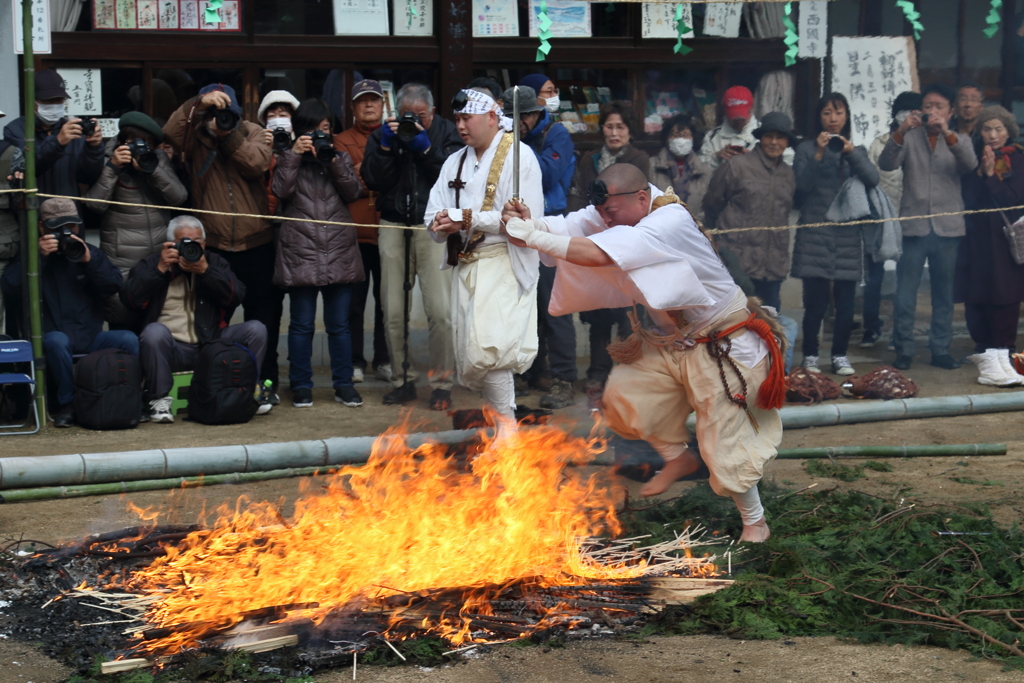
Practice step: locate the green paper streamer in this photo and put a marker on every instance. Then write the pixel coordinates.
(681, 29)
(544, 24)
(412, 11)
(211, 15)
(993, 19)
(912, 15)
(792, 39)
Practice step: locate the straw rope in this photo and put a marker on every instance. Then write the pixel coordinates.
(866, 221)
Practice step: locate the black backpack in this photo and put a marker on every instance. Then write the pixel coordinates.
(224, 385)
(108, 390)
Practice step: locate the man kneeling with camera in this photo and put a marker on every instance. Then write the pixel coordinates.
(187, 295)
(76, 280)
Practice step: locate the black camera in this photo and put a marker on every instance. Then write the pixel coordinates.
(88, 126)
(17, 166)
(143, 155)
(835, 143)
(67, 246)
(924, 119)
(190, 250)
(323, 146)
(282, 138)
(407, 126)
(226, 120)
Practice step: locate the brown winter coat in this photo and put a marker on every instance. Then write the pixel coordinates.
(233, 183)
(310, 254)
(745, 192)
(586, 173)
(364, 209)
(665, 173)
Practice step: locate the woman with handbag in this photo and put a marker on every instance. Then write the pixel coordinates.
(989, 280)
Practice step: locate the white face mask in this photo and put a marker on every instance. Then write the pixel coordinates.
(680, 147)
(552, 104)
(280, 122)
(901, 116)
(50, 113)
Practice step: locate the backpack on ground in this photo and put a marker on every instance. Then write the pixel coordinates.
(224, 384)
(108, 390)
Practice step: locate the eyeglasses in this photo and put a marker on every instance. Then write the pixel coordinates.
(460, 101)
(598, 193)
(549, 92)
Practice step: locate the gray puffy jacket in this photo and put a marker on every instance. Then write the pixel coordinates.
(129, 234)
(834, 252)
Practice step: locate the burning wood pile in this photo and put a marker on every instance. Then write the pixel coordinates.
(487, 546)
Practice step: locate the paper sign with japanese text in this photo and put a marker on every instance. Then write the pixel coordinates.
(813, 29)
(84, 88)
(40, 27)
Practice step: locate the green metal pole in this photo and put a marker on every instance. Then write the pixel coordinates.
(32, 211)
(893, 451)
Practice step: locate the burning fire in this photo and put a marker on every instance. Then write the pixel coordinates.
(407, 521)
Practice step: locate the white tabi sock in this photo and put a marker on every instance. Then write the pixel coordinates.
(500, 391)
(749, 505)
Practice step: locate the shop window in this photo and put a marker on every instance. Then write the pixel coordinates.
(892, 19)
(937, 47)
(293, 17)
(669, 92)
(844, 17)
(611, 20)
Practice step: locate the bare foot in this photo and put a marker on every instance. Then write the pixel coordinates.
(674, 470)
(757, 532)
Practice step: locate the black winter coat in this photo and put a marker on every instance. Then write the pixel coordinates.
(837, 252)
(59, 168)
(73, 294)
(388, 172)
(218, 294)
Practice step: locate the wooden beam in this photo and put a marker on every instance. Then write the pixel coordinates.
(456, 32)
(121, 665)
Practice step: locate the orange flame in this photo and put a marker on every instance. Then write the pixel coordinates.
(406, 521)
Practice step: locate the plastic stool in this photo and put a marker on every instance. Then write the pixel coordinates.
(179, 380)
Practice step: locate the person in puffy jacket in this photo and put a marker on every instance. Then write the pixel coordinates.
(316, 182)
(829, 259)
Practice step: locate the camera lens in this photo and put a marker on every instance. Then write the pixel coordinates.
(407, 128)
(323, 146)
(190, 250)
(282, 139)
(88, 127)
(924, 118)
(70, 248)
(226, 119)
(836, 144)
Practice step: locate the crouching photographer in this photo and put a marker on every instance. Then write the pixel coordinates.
(186, 294)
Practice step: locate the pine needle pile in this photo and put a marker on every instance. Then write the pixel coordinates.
(848, 564)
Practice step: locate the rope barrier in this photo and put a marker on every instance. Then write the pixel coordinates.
(866, 221)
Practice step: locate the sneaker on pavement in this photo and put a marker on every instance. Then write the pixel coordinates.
(302, 398)
(383, 372)
(357, 375)
(399, 395)
(870, 339)
(348, 396)
(65, 416)
(264, 408)
(440, 399)
(902, 362)
(841, 366)
(810, 364)
(561, 395)
(945, 361)
(160, 410)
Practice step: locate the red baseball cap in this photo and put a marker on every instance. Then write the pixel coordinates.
(738, 102)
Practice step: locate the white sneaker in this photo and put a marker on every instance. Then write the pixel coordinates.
(841, 366)
(160, 410)
(990, 370)
(383, 372)
(810, 364)
(357, 375)
(1009, 370)
(264, 408)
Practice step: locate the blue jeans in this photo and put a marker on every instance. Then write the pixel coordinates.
(790, 328)
(302, 326)
(57, 351)
(940, 252)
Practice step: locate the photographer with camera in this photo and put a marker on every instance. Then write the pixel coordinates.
(187, 293)
(315, 182)
(275, 114)
(76, 280)
(136, 172)
(69, 150)
(403, 160)
(226, 158)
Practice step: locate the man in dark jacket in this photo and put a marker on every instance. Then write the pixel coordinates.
(185, 304)
(403, 173)
(64, 156)
(76, 279)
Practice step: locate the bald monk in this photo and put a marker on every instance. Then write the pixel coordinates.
(706, 348)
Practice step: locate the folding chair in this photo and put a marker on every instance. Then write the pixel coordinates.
(12, 352)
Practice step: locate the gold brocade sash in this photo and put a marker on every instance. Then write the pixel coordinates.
(457, 247)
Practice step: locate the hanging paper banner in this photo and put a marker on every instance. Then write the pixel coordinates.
(722, 19)
(413, 17)
(495, 18)
(791, 38)
(912, 15)
(813, 29)
(569, 18)
(85, 89)
(993, 19)
(871, 72)
(360, 17)
(658, 20)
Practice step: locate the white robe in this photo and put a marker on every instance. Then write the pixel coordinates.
(494, 298)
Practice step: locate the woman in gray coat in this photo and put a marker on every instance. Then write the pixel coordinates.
(828, 259)
(316, 183)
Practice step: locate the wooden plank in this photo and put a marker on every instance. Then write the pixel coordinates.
(269, 644)
(673, 582)
(121, 665)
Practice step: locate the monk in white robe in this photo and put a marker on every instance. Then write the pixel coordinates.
(494, 287)
(705, 349)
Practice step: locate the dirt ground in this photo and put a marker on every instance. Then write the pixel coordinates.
(996, 480)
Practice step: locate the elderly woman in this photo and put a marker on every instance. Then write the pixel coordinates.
(677, 164)
(829, 259)
(618, 127)
(988, 281)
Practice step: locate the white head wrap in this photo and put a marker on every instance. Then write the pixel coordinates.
(482, 103)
